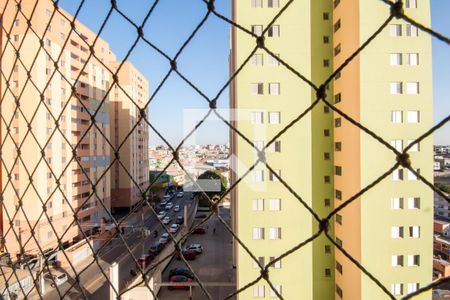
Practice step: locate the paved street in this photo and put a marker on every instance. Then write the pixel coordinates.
(93, 282)
(213, 265)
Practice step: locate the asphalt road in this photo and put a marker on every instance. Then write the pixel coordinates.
(214, 265)
(92, 282)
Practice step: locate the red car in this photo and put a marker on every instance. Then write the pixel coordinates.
(188, 254)
(145, 260)
(179, 278)
(199, 230)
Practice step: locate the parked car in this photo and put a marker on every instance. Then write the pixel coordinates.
(163, 203)
(179, 220)
(182, 272)
(166, 220)
(199, 230)
(188, 254)
(166, 197)
(161, 215)
(174, 228)
(176, 208)
(155, 248)
(179, 278)
(196, 247)
(164, 238)
(144, 260)
(180, 195)
(169, 205)
(55, 277)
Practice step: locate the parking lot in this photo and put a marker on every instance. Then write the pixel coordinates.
(213, 265)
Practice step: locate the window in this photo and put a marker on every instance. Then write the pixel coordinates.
(272, 294)
(337, 122)
(397, 260)
(413, 203)
(338, 267)
(274, 117)
(326, 39)
(327, 202)
(412, 287)
(257, 60)
(62, 36)
(338, 170)
(326, 179)
(396, 88)
(336, 3)
(327, 249)
(412, 176)
(415, 147)
(412, 59)
(274, 31)
(258, 233)
(397, 289)
(337, 98)
(326, 156)
(48, 42)
(326, 132)
(339, 219)
(412, 88)
(413, 116)
(257, 3)
(48, 12)
(397, 203)
(257, 30)
(338, 241)
(258, 291)
(397, 144)
(410, 3)
(411, 30)
(274, 147)
(337, 25)
(338, 146)
(326, 63)
(62, 22)
(397, 232)
(327, 272)
(273, 61)
(396, 59)
(414, 232)
(258, 204)
(257, 88)
(277, 264)
(274, 233)
(258, 175)
(413, 260)
(274, 204)
(339, 291)
(326, 109)
(397, 116)
(397, 175)
(257, 117)
(272, 176)
(273, 3)
(261, 262)
(16, 38)
(326, 16)
(16, 23)
(395, 30)
(337, 49)
(338, 194)
(274, 88)
(49, 234)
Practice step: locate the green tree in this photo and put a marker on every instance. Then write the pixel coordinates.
(213, 183)
(443, 187)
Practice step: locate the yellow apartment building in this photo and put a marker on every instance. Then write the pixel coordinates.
(324, 158)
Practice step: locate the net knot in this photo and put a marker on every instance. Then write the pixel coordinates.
(213, 104)
(321, 92)
(397, 9)
(403, 160)
(324, 225)
(260, 41)
(265, 274)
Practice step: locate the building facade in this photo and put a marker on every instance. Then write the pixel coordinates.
(132, 173)
(324, 158)
(63, 154)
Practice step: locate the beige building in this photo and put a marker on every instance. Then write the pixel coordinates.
(62, 176)
(128, 98)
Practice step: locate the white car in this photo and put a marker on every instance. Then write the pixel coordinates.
(164, 238)
(169, 205)
(161, 215)
(174, 228)
(196, 247)
(166, 197)
(180, 195)
(176, 208)
(166, 220)
(58, 278)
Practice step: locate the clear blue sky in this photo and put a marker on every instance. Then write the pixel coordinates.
(205, 60)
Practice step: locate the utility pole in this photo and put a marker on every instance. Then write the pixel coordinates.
(41, 274)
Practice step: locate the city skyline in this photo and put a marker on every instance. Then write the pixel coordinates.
(209, 69)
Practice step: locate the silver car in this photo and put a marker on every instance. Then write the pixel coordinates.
(166, 220)
(164, 238)
(58, 278)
